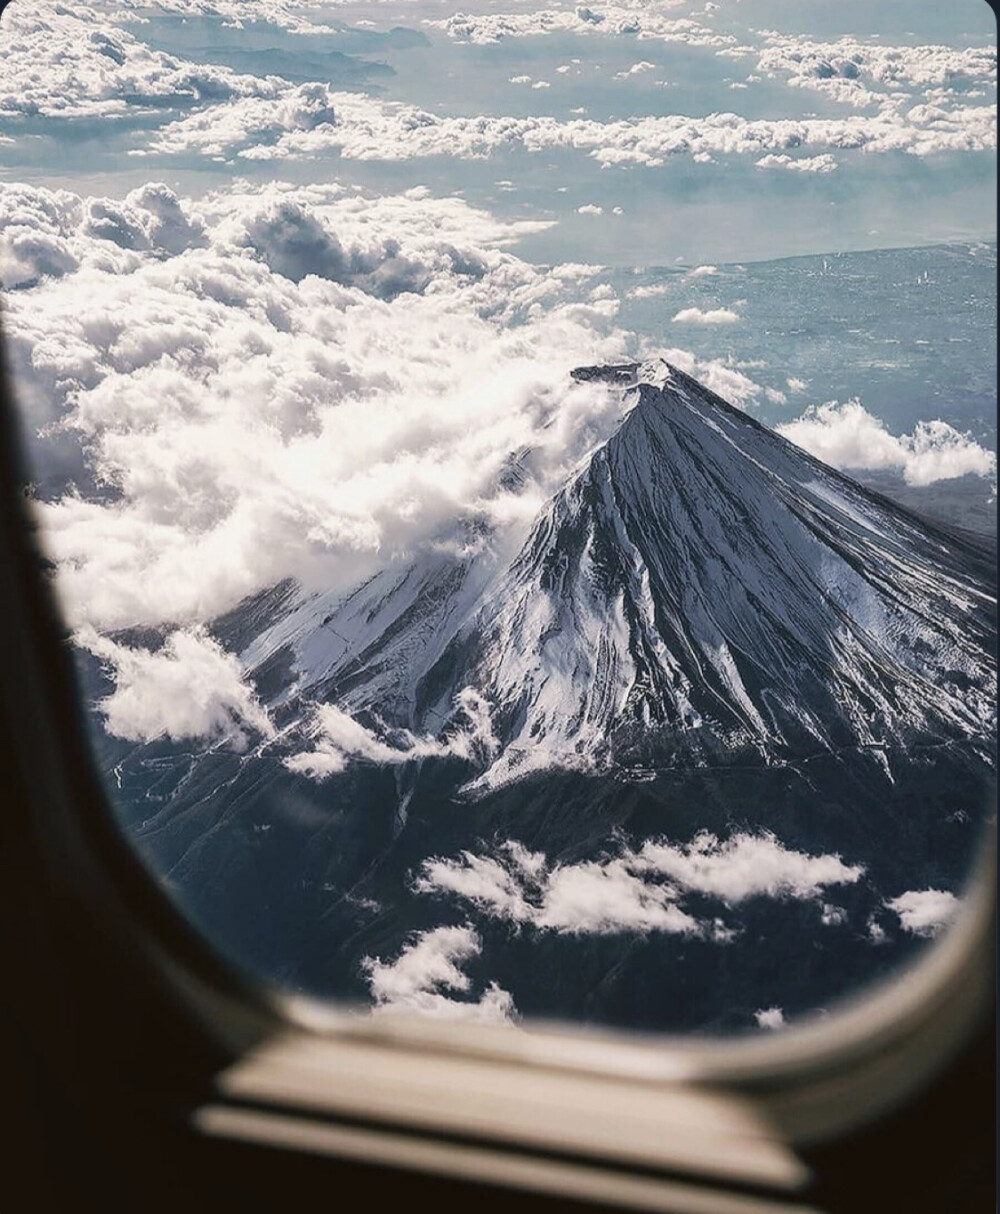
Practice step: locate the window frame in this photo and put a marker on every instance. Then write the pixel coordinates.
(122, 966)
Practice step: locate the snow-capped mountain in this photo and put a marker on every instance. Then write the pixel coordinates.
(708, 647)
(700, 587)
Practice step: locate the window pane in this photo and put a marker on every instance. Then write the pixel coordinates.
(522, 482)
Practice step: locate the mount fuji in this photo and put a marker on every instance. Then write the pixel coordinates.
(706, 629)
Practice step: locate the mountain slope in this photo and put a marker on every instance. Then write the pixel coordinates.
(703, 585)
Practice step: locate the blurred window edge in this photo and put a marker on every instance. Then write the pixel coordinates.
(544, 1109)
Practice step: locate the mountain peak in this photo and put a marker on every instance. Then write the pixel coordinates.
(702, 584)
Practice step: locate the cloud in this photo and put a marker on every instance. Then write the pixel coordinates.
(590, 208)
(924, 912)
(290, 395)
(714, 316)
(649, 292)
(803, 164)
(306, 121)
(341, 739)
(637, 890)
(188, 688)
(429, 966)
(718, 375)
(796, 385)
(746, 866)
(702, 271)
(625, 19)
(864, 73)
(637, 69)
(289, 15)
(770, 1018)
(848, 436)
(48, 233)
(69, 61)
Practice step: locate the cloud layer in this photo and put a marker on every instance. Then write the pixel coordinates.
(250, 421)
(306, 121)
(637, 890)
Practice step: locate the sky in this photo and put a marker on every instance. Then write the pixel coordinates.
(287, 285)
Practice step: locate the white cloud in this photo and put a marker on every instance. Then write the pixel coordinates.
(49, 233)
(340, 739)
(69, 61)
(289, 15)
(924, 912)
(305, 121)
(252, 420)
(796, 385)
(649, 292)
(541, 84)
(864, 73)
(645, 21)
(717, 375)
(638, 890)
(746, 866)
(713, 316)
(702, 271)
(848, 436)
(428, 967)
(520, 80)
(189, 688)
(590, 208)
(637, 69)
(803, 164)
(770, 1018)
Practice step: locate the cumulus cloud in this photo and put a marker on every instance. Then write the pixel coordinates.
(702, 271)
(848, 436)
(320, 383)
(188, 688)
(48, 233)
(637, 69)
(869, 73)
(647, 22)
(289, 15)
(70, 61)
(427, 968)
(340, 738)
(713, 316)
(718, 375)
(637, 890)
(824, 163)
(590, 208)
(305, 121)
(770, 1018)
(649, 292)
(924, 912)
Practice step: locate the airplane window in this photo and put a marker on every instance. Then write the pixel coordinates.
(522, 482)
